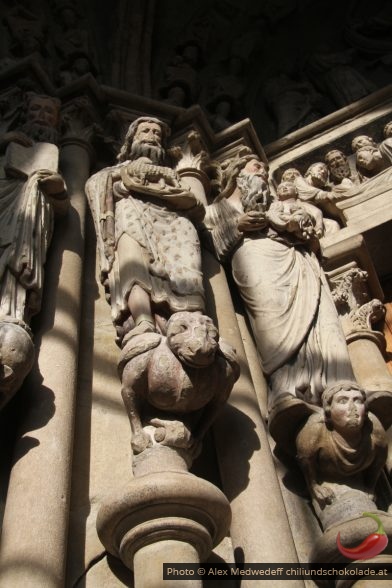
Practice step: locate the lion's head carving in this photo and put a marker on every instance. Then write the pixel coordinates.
(193, 338)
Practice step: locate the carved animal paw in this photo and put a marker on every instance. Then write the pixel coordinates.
(172, 433)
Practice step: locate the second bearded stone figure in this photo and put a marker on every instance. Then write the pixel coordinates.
(151, 269)
(269, 244)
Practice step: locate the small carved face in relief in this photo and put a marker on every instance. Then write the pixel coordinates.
(193, 338)
(388, 130)
(290, 174)
(368, 157)
(254, 166)
(149, 133)
(338, 164)
(43, 111)
(318, 173)
(347, 410)
(286, 191)
(362, 141)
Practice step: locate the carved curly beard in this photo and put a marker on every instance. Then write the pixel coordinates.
(39, 132)
(255, 191)
(142, 149)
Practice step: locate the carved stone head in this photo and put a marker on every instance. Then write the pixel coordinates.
(362, 141)
(345, 407)
(369, 158)
(41, 117)
(245, 171)
(317, 174)
(42, 109)
(146, 137)
(388, 130)
(290, 174)
(286, 191)
(338, 165)
(193, 338)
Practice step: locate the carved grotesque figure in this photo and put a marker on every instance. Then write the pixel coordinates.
(343, 446)
(176, 376)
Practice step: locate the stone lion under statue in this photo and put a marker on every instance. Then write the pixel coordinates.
(187, 374)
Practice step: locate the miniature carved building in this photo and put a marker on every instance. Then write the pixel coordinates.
(195, 287)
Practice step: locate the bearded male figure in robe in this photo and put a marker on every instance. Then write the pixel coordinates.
(291, 312)
(149, 249)
(31, 193)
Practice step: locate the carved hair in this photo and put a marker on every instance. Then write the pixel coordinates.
(125, 149)
(328, 155)
(230, 169)
(356, 142)
(290, 171)
(330, 391)
(311, 167)
(388, 129)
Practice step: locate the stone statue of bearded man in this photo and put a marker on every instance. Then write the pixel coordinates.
(149, 248)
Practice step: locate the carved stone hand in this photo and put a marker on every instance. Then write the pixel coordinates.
(15, 137)
(251, 221)
(323, 494)
(51, 183)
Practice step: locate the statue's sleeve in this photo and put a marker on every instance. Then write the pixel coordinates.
(99, 191)
(220, 229)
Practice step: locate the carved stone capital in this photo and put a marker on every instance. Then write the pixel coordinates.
(79, 123)
(359, 322)
(159, 507)
(349, 290)
(195, 161)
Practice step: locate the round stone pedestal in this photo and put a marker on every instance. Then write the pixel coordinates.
(160, 507)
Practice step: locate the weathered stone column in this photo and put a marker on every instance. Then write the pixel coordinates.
(260, 529)
(366, 346)
(34, 539)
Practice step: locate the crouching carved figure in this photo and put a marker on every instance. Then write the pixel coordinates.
(342, 450)
(174, 385)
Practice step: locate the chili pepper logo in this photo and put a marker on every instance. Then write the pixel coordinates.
(373, 545)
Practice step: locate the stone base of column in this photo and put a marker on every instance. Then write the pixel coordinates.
(161, 507)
